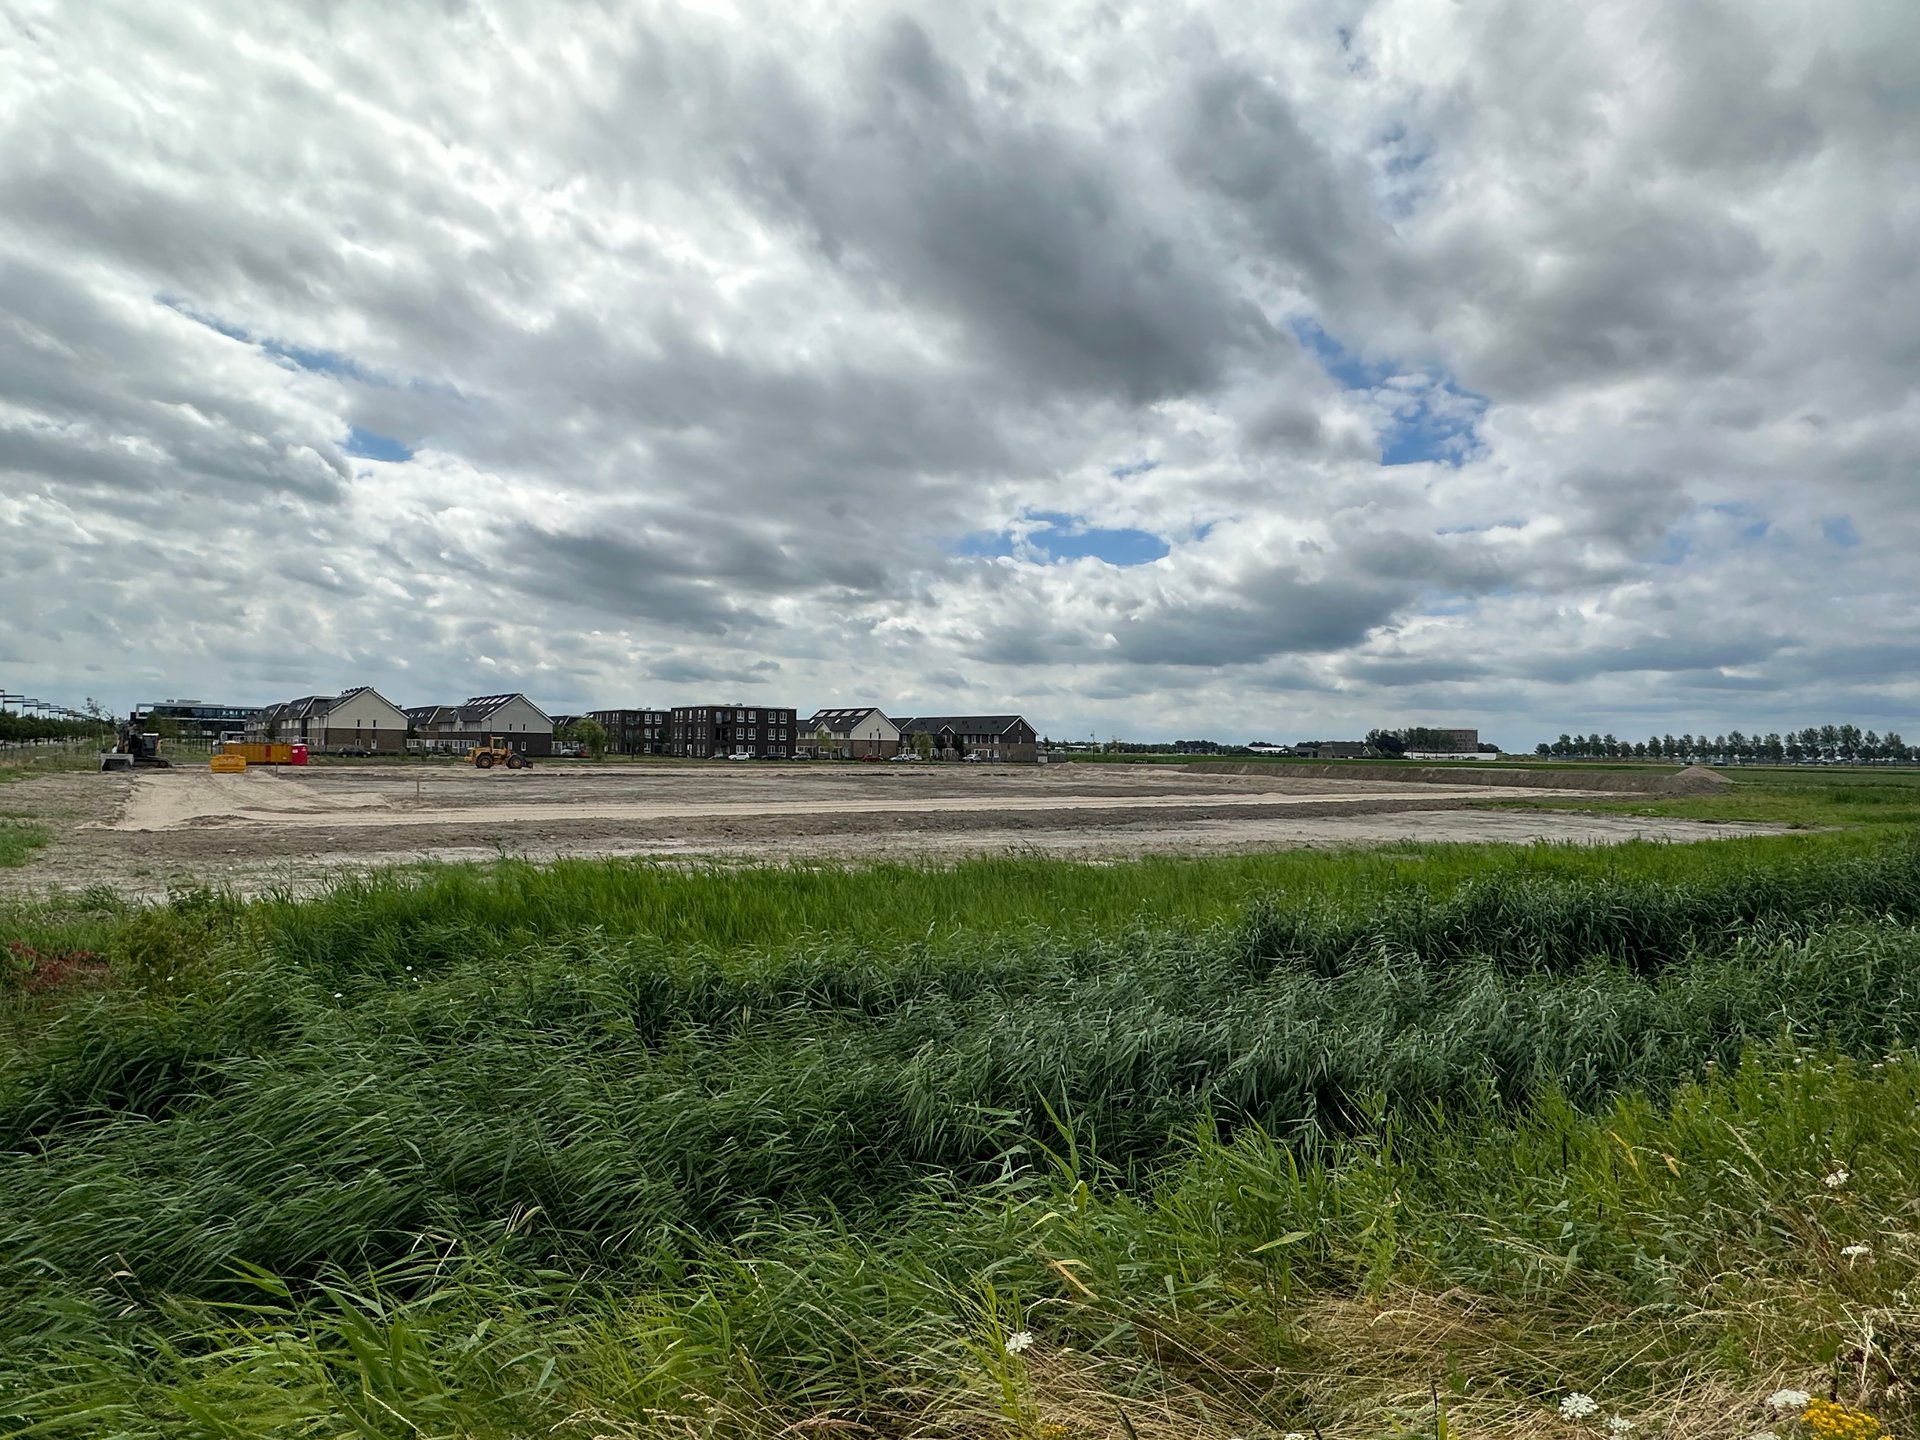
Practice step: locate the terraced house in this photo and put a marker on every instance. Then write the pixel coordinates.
(710, 732)
(513, 719)
(1004, 738)
(360, 721)
(850, 733)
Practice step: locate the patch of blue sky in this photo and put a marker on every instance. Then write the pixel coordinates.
(1068, 537)
(325, 362)
(1431, 420)
(1839, 531)
(1134, 467)
(1402, 182)
(369, 445)
(1345, 367)
(1510, 523)
(1674, 548)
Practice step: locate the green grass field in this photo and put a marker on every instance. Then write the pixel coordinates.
(1409, 1141)
(1790, 795)
(29, 763)
(19, 838)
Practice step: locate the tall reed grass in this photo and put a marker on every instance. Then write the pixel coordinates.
(509, 1153)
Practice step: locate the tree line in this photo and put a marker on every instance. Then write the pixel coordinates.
(1816, 744)
(16, 728)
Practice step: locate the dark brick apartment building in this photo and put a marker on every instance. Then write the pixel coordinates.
(636, 732)
(714, 732)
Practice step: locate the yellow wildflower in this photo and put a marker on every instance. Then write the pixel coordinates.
(1827, 1421)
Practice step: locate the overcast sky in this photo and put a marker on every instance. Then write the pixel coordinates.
(1243, 371)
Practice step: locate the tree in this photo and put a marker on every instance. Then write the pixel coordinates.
(923, 744)
(1387, 742)
(590, 735)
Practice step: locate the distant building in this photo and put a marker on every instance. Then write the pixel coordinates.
(850, 733)
(512, 719)
(636, 732)
(710, 732)
(989, 737)
(1333, 749)
(197, 719)
(359, 721)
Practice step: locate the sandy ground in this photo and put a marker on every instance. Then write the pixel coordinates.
(145, 833)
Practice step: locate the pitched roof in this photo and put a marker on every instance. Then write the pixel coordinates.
(842, 719)
(960, 724)
(483, 707)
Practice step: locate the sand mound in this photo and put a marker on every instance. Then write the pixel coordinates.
(1694, 780)
(163, 799)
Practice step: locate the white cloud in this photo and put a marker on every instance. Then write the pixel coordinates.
(711, 333)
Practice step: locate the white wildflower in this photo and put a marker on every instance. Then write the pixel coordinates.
(1857, 1252)
(1296, 1435)
(1018, 1341)
(1838, 1178)
(1788, 1399)
(1577, 1406)
(1619, 1425)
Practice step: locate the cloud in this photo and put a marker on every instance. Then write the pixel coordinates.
(1550, 369)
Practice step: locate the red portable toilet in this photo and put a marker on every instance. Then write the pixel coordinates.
(298, 755)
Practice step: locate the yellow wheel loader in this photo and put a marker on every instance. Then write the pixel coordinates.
(496, 752)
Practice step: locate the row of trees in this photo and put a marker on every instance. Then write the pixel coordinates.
(16, 728)
(1816, 744)
(1414, 737)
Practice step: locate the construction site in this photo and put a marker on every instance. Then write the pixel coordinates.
(146, 831)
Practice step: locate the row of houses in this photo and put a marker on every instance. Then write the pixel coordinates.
(859, 732)
(863, 732)
(362, 721)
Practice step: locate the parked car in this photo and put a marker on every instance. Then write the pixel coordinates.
(905, 755)
(873, 758)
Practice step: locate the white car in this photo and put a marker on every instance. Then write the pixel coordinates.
(904, 755)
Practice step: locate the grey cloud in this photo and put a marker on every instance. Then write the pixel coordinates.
(714, 337)
(1021, 232)
(1239, 138)
(1627, 285)
(680, 671)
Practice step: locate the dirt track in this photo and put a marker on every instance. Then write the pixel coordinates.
(145, 833)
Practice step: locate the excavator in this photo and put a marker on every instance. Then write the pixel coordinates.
(134, 747)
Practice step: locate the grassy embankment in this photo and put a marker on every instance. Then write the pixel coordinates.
(19, 838)
(1880, 799)
(1405, 1142)
(19, 835)
(29, 762)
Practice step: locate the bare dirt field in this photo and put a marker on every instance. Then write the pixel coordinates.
(149, 832)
